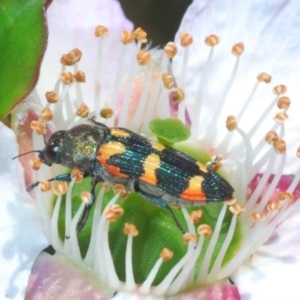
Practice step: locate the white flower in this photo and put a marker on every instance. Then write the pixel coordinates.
(215, 81)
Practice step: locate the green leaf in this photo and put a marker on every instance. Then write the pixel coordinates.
(169, 131)
(23, 36)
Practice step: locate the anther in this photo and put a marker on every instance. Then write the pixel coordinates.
(51, 97)
(285, 196)
(273, 206)
(195, 216)
(106, 113)
(279, 89)
(205, 229)
(170, 49)
(36, 163)
(231, 201)
(166, 254)
(279, 146)
(212, 40)
(39, 127)
(257, 217)
(126, 37)
(113, 212)
(186, 39)
(238, 49)
(86, 197)
(231, 123)
(101, 31)
(188, 237)
(271, 137)
(120, 188)
(45, 185)
(264, 77)
(77, 175)
(46, 115)
(130, 229)
(143, 57)
(280, 117)
(236, 208)
(168, 81)
(79, 76)
(140, 35)
(71, 58)
(82, 111)
(178, 95)
(284, 102)
(66, 77)
(61, 188)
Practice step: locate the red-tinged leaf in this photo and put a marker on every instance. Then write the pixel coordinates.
(23, 36)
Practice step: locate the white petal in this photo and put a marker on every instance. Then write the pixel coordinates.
(71, 25)
(273, 272)
(21, 234)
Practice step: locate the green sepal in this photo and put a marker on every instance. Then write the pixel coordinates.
(23, 37)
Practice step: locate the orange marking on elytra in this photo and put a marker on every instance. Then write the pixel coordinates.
(194, 192)
(118, 132)
(105, 152)
(151, 163)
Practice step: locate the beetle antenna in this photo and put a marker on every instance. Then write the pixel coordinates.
(44, 138)
(39, 151)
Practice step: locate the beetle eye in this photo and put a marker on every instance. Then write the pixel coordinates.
(51, 150)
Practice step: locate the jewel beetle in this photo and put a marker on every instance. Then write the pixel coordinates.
(161, 174)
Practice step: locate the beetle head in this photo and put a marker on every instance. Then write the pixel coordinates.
(51, 153)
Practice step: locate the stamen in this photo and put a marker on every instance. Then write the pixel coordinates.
(165, 255)
(46, 115)
(114, 212)
(284, 102)
(38, 127)
(140, 35)
(280, 117)
(106, 113)
(86, 197)
(195, 216)
(170, 50)
(258, 217)
(279, 146)
(79, 76)
(205, 230)
(210, 41)
(121, 190)
(66, 77)
(101, 32)
(83, 111)
(273, 206)
(285, 196)
(51, 96)
(237, 50)
(178, 95)
(36, 164)
(236, 208)
(168, 80)
(77, 175)
(131, 231)
(143, 57)
(185, 41)
(45, 185)
(61, 188)
(188, 237)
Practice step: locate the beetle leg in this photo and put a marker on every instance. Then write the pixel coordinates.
(85, 214)
(61, 177)
(158, 202)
